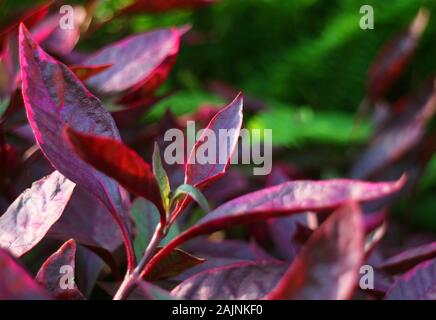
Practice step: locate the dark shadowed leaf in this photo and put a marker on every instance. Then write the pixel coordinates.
(174, 264)
(118, 161)
(62, 41)
(53, 274)
(33, 213)
(417, 284)
(228, 118)
(85, 72)
(328, 265)
(152, 6)
(222, 253)
(138, 62)
(409, 258)
(53, 98)
(15, 282)
(193, 192)
(293, 197)
(241, 281)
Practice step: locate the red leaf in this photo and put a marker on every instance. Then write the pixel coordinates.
(139, 61)
(53, 98)
(408, 259)
(117, 161)
(240, 281)
(282, 200)
(51, 275)
(32, 214)
(417, 284)
(328, 265)
(394, 57)
(15, 283)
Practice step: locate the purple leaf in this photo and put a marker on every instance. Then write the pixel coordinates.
(62, 41)
(417, 284)
(409, 258)
(53, 275)
(54, 97)
(241, 281)
(328, 265)
(200, 175)
(32, 214)
(15, 282)
(138, 62)
(282, 200)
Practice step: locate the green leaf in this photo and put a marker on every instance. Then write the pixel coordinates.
(161, 177)
(194, 193)
(146, 218)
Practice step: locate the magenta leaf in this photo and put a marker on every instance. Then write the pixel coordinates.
(15, 282)
(408, 259)
(138, 62)
(242, 281)
(53, 274)
(328, 265)
(53, 98)
(32, 214)
(417, 284)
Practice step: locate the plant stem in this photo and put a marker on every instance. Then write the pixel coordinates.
(131, 278)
